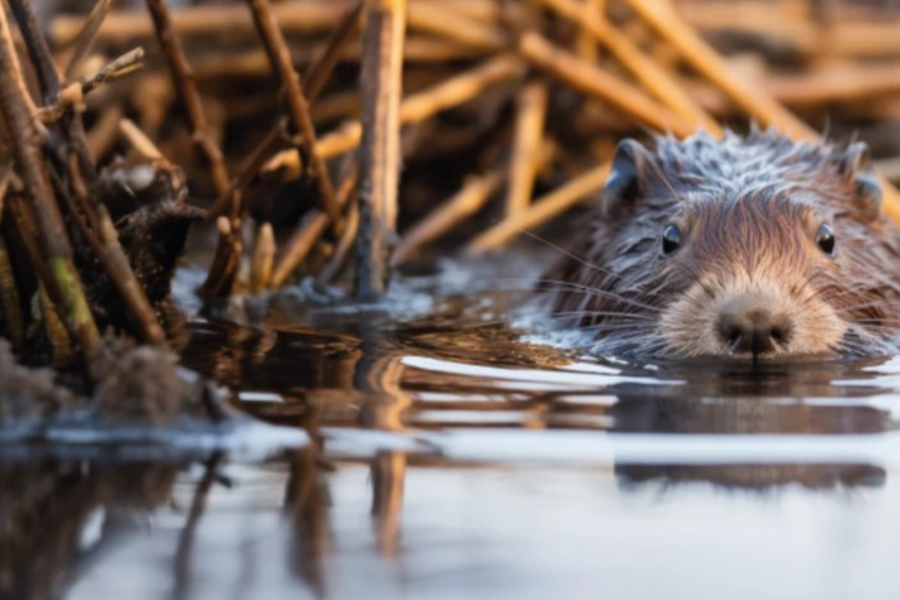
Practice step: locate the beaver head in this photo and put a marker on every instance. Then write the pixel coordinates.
(752, 246)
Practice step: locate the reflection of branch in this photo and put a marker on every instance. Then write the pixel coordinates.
(186, 539)
(306, 501)
(379, 375)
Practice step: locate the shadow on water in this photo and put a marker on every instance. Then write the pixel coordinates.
(450, 458)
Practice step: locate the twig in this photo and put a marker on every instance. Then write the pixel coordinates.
(73, 94)
(542, 209)
(587, 42)
(86, 37)
(531, 110)
(332, 268)
(321, 68)
(600, 84)
(379, 158)
(139, 141)
(298, 109)
(38, 50)
(183, 78)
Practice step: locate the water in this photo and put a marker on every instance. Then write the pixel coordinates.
(452, 459)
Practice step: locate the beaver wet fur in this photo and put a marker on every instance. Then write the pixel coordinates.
(751, 246)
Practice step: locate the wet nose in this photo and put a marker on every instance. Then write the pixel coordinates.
(748, 324)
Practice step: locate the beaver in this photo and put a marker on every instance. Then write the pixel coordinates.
(752, 246)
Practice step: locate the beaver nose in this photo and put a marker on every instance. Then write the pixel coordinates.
(748, 324)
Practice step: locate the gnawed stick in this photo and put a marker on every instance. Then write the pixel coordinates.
(379, 157)
(542, 209)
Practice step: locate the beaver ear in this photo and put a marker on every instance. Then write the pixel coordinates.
(855, 166)
(623, 184)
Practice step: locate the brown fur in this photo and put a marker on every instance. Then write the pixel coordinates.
(748, 209)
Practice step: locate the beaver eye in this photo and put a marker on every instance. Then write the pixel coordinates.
(825, 239)
(671, 239)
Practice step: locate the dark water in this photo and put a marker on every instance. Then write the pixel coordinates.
(453, 459)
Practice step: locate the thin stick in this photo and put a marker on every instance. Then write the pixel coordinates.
(600, 84)
(316, 78)
(531, 110)
(183, 79)
(139, 141)
(587, 42)
(336, 262)
(543, 209)
(38, 50)
(73, 94)
(379, 160)
(321, 68)
(298, 108)
(88, 35)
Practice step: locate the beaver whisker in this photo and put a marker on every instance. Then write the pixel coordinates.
(571, 286)
(601, 313)
(571, 255)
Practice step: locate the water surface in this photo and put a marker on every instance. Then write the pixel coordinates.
(453, 459)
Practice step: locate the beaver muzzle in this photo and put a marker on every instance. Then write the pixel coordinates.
(749, 324)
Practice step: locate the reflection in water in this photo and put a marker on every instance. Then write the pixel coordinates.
(58, 517)
(516, 517)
